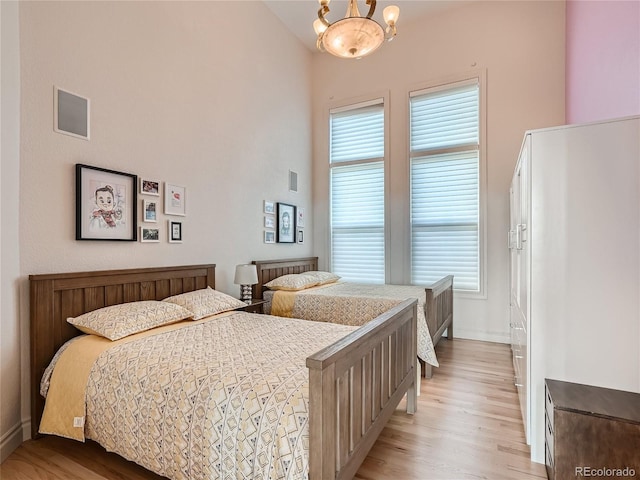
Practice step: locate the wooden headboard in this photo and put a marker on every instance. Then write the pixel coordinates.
(270, 269)
(55, 297)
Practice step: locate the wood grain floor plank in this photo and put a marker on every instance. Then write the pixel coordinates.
(468, 426)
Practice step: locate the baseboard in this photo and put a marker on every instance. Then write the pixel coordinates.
(26, 430)
(497, 337)
(11, 440)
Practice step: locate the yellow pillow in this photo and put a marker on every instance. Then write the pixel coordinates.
(119, 321)
(205, 302)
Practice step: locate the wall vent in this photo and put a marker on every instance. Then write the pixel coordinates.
(293, 181)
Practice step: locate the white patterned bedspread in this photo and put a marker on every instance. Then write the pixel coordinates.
(218, 399)
(349, 303)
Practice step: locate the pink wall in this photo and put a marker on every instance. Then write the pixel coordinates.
(602, 59)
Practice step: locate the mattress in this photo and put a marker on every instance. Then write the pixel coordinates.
(224, 397)
(355, 304)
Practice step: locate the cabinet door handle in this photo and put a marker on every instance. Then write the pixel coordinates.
(518, 356)
(521, 235)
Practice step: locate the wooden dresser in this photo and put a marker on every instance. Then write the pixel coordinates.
(591, 431)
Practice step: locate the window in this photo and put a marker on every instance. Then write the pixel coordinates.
(356, 156)
(445, 184)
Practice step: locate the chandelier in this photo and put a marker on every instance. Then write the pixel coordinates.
(354, 36)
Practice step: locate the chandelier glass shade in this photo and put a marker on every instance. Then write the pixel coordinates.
(354, 36)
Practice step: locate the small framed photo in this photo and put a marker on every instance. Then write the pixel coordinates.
(300, 222)
(150, 210)
(300, 235)
(70, 114)
(149, 234)
(269, 207)
(269, 222)
(149, 187)
(174, 199)
(106, 204)
(286, 223)
(175, 231)
(269, 237)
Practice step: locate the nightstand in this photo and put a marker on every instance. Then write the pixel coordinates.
(590, 429)
(256, 306)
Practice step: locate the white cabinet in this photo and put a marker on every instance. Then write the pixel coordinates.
(575, 262)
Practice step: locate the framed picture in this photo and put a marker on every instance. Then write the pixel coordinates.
(70, 114)
(300, 235)
(149, 211)
(269, 237)
(269, 207)
(174, 199)
(106, 204)
(175, 231)
(149, 234)
(286, 223)
(269, 222)
(149, 187)
(300, 222)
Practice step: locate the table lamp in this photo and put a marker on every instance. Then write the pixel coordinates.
(246, 275)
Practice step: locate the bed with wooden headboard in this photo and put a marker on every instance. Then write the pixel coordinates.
(438, 303)
(355, 384)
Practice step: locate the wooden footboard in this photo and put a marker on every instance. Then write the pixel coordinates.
(438, 310)
(355, 386)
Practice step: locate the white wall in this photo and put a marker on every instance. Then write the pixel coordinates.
(10, 417)
(521, 46)
(214, 96)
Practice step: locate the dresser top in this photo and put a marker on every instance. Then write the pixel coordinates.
(602, 402)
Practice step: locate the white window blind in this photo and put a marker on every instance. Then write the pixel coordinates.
(445, 185)
(357, 134)
(357, 193)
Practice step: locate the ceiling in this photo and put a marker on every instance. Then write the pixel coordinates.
(298, 15)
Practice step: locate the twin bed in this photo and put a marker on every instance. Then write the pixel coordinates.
(234, 394)
(355, 304)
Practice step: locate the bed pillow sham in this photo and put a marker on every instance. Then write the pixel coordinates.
(301, 281)
(292, 282)
(119, 321)
(323, 278)
(205, 302)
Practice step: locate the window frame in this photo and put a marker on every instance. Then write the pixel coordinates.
(344, 106)
(441, 84)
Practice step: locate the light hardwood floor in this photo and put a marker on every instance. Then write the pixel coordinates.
(468, 426)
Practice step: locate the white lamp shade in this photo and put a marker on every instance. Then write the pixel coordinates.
(319, 27)
(391, 14)
(246, 275)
